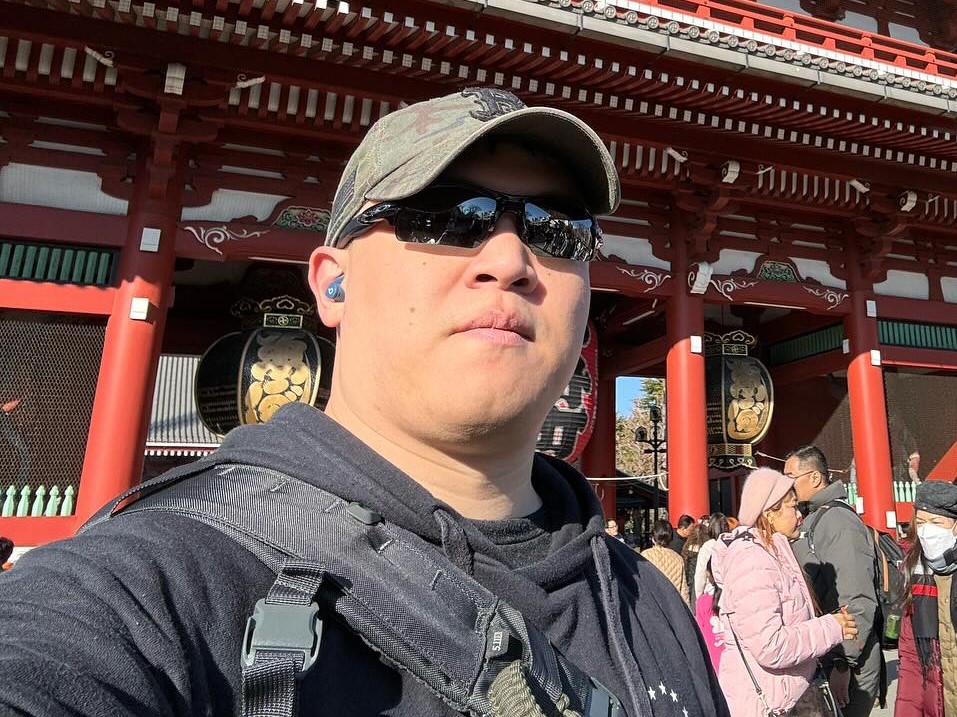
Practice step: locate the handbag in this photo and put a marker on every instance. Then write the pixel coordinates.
(817, 700)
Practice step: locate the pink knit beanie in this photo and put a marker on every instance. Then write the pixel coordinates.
(763, 488)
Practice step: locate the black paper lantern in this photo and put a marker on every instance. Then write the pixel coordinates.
(740, 399)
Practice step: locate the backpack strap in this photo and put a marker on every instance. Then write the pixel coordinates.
(281, 642)
(817, 515)
(332, 557)
(884, 562)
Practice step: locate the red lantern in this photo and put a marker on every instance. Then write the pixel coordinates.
(571, 421)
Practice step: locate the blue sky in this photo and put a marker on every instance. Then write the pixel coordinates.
(626, 390)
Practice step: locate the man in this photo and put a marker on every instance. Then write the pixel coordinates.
(685, 526)
(455, 274)
(840, 564)
(611, 527)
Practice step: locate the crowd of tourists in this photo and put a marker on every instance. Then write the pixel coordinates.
(795, 597)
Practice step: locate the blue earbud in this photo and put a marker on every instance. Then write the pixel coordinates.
(335, 292)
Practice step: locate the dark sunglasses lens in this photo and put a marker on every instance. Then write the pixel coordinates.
(463, 224)
(550, 232)
(460, 216)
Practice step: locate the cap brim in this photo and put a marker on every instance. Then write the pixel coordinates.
(560, 134)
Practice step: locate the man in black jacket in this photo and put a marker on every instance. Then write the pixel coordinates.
(455, 273)
(685, 526)
(840, 564)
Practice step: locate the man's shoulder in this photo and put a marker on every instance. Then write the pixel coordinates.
(156, 548)
(837, 514)
(835, 525)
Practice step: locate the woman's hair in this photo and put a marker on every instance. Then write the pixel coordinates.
(718, 525)
(763, 526)
(6, 549)
(662, 533)
(912, 557)
(697, 538)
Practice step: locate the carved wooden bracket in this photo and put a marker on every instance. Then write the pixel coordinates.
(703, 207)
(173, 107)
(875, 235)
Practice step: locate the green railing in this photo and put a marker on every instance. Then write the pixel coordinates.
(918, 336)
(904, 491)
(27, 502)
(60, 263)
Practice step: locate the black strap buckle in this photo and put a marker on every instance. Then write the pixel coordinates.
(280, 627)
(602, 702)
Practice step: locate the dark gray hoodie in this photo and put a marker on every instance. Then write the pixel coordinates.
(144, 614)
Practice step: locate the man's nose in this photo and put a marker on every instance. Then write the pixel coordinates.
(504, 259)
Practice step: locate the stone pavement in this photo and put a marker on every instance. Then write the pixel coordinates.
(891, 657)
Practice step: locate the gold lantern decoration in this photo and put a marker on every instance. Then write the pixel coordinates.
(246, 376)
(740, 399)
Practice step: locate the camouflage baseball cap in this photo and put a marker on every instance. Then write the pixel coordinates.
(406, 150)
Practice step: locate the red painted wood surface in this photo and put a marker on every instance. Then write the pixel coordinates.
(686, 402)
(865, 385)
(598, 459)
(46, 296)
(37, 531)
(121, 407)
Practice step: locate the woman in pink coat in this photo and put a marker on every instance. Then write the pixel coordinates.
(763, 601)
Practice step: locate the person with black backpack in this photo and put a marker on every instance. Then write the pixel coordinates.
(407, 552)
(839, 560)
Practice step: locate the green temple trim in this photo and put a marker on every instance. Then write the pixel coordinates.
(918, 336)
(60, 263)
(806, 345)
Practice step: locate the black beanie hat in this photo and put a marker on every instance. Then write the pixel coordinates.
(937, 497)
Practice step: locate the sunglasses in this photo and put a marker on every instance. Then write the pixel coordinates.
(463, 216)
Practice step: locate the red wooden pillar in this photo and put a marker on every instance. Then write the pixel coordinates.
(598, 458)
(865, 384)
(685, 394)
(134, 333)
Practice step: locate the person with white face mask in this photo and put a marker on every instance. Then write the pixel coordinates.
(927, 678)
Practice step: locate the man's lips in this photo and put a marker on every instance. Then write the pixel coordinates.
(498, 321)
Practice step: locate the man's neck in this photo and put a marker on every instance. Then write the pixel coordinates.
(482, 485)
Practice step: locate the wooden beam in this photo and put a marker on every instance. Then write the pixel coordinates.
(927, 312)
(632, 361)
(920, 358)
(46, 296)
(810, 367)
(27, 221)
(794, 324)
(637, 281)
(237, 241)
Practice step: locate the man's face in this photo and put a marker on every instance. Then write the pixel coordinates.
(612, 528)
(685, 532)
(461, 347)
(807, 482)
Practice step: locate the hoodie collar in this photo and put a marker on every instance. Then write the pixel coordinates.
(834, 491)
(304, 443)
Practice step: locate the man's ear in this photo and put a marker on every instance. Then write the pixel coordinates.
(326, 263)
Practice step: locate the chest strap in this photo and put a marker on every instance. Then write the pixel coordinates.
(401, 594)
